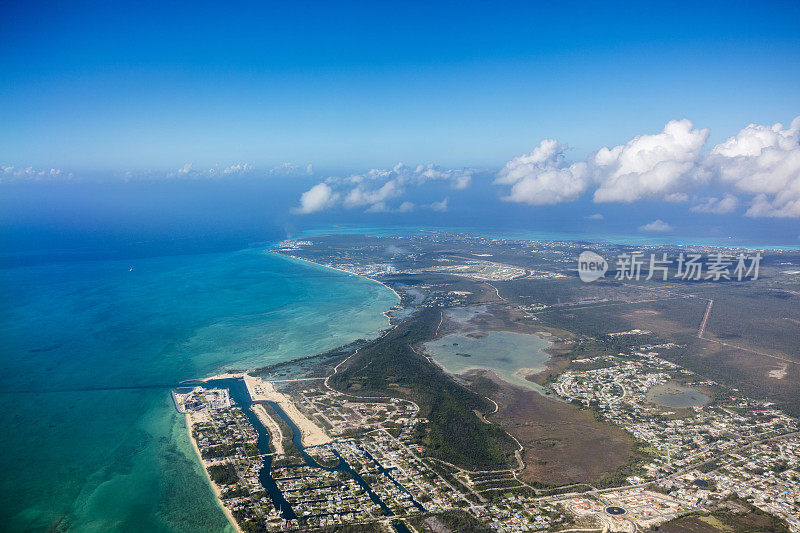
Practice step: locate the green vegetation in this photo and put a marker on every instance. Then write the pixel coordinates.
(741, 517)
(485, 386)
(236, 492)
(248, 526)
(389, 366)
(462, 521)
(288, 444)
(223, 474)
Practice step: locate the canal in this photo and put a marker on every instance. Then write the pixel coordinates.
(239, 394)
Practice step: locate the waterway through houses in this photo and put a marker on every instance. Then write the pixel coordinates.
(239, 394)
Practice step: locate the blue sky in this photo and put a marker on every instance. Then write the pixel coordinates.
(500, 111)
(347, 86)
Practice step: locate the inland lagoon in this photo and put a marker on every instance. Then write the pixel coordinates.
(510, 355)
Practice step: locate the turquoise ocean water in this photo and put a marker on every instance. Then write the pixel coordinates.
(89, 351)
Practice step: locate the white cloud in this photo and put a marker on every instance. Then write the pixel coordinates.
(237, 168)
(317, 198)
(406, 207)
(378, 207)
(650, 166)
(462, 182)
(189, 170)
(373, 190)
(547, 155)
(362, 195)
(459, 179)
(596, 216)
(9, 173)
(382, 207)
(440, 206)
(658, 226)
(760, 163)
(290, 169)
(763, 161)
(541, 177)
(726, 204)
(662, 166)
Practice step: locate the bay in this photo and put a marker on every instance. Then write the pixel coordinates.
(90, 349)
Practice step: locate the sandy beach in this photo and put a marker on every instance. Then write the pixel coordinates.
(264, 391)
(275, 433)
(190, 421)
(343, 271)
(224, 375)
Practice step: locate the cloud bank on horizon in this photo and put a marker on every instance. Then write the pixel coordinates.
(760, 164)
(756, 170)
(10, 174)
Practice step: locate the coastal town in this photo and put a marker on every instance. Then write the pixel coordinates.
(372, 469)
(305, 450)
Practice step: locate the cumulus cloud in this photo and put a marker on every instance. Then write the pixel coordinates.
(375, 189)
(381, 207)
(9, 173)
(541, 177)
(759, 163)
(440, 206)
(363, 195)
(290, 169)
(650, 166)
(406, 207)
(763, 161)
(317, 198)
(378, 207)
(662, 166)
(189, 170)
(237, 168)
(726, 204)
(657, 226)
(596, 216)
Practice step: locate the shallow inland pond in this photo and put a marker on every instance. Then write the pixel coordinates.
(510, 355)
(676, 396)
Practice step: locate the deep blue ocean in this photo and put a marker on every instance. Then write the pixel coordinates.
(90, 349)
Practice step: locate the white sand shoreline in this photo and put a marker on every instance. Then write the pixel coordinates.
(399, 299)
(214, 487)
(311, 433)
(264, 391)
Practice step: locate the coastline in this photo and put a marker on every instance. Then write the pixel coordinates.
(399, 298)
(264, 391)
(311, 434)
(217, 492)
